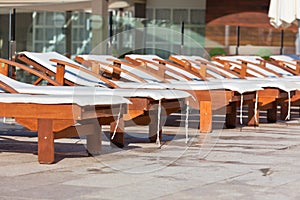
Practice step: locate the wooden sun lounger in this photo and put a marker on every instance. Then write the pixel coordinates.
(142, 111)
(287, 63)
(204, 66)
(206, 99)
(54, 120)
(268, 98)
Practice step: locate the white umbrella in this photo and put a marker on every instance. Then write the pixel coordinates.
(284, 13)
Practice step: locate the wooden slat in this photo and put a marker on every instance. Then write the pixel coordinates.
(101, 112)
(32, 124)
(139, 104)
(45, 111)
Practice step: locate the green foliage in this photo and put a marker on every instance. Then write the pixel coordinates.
(264, 53)
(218, 51)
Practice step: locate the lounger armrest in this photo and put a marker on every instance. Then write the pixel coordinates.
(137, 65)
(161, 61)
(42, 76)
(246, 62)
(297, 66)
(115, 61)
(162, 68)
(263, 62)
(64, 63)
(204, 62)
(192, 71)
(118, 70)
(7, 88)
(297, 61)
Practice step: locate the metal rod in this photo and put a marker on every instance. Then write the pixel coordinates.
(68, 31)
(238, 31)
(281, 41)
(110, 21)
(182, 37)
(9, 33)
(298, 38)
(145, 22)
(13, 25)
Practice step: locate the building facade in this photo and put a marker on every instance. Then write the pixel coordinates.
(144, 26)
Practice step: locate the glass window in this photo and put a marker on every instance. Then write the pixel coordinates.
(197, 16)
(39, 18)
(49, 18)
(180, 15)
(39, 34)
(38, 47)
(163, 14)
(49, 33)
(149, 13)
(61, 48)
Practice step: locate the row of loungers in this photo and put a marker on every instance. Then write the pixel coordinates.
(139, 88)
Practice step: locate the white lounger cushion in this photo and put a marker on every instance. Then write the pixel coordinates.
(254, 60)
(108, 60)
(151, 57)
(179, 85)
(195, 58)
(281, 83)
(85, 90)
(81, 100)
(74, 75)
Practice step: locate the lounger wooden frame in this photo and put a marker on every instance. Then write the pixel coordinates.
(268, 99)
(143, 111)
(207, 99)
(54, 121)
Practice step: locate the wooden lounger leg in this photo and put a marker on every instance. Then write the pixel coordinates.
(93, 141)
(153, 126)
(45, 141)
(205, 116)
(272, 113)
(284, 109)
(251, 115)
(118, 139)
(230, 121)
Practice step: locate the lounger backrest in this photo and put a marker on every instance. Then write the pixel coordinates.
(195, 58)
(285, 58)
(249, 69)
(109, 61)
(176, 76)
(171, 74)
(256, 60)
(71, 74)
(194, 61)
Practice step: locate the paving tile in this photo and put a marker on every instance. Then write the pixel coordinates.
(242, 163)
